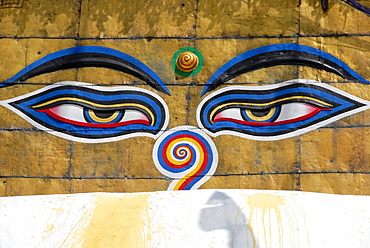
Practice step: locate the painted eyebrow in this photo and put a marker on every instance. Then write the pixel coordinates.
(89, 56)
(280, 54)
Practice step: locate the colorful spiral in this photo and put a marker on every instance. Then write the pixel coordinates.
(189, 157)
(187, 61)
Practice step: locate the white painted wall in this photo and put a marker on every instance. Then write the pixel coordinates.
(202, 218)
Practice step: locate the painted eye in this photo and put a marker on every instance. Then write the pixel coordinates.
(87, 117)
(286, 113)
(92, 114)
(277, 111)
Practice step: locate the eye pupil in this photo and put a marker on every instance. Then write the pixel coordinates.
(103, 114)
(260, 112)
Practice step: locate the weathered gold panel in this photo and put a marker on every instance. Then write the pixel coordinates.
(40, 19)
(32, 153)
(247, 18)
(36, 186)
(336, 183)
(340, 18)
(137, 18)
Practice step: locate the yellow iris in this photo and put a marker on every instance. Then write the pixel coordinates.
(261, 118)
(102, 120)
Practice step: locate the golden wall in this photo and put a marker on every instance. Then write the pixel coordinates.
(327, 52)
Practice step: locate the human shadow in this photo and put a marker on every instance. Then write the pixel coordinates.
(222, 212)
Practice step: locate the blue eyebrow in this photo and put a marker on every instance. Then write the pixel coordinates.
(280, 54)
(89, 56)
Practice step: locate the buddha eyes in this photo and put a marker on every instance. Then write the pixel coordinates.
(93, 114)
(90, 114)
(275, 112)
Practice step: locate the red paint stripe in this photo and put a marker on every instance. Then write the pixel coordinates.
(202, 168)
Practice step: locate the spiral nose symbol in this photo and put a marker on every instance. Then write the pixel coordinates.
(187, 155)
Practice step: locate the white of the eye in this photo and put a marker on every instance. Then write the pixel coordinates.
(294, 110)
(69, 111)
(233, 113)
(75, 113)
(131, 115)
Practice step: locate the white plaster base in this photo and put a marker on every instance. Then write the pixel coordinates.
(202, 218)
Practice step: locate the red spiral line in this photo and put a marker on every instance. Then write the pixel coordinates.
(204, 166)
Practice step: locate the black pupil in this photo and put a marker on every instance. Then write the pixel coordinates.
(103, 113)
(260, 112)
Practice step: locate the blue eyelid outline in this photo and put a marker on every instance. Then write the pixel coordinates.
(344, 105)
(279, 48)
(22, 105)
(86, 50)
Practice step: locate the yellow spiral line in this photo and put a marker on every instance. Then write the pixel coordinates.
(169, 154)
(187, 61)
(198, 166)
